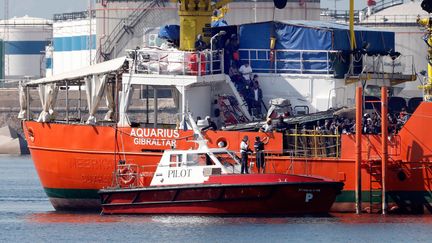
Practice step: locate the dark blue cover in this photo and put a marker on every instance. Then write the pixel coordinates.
(170, 32)
(313, 35)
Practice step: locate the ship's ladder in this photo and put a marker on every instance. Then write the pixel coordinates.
(375, 187)
(240, 99)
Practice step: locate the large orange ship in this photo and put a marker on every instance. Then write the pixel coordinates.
(74, 159)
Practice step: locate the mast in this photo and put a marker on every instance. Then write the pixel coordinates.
(427, 23)
(351, 25)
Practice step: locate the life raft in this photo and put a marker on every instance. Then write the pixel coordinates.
(194, 62)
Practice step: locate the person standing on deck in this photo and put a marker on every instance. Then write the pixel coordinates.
(246, 71)
(199, 43)
(211, 125)
(244, 150)
(259, 150)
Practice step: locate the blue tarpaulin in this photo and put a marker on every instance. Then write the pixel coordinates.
(318, 37)
(313, 35)
(219, 23)
(170, 32)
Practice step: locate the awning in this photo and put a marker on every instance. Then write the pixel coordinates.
(100, 68)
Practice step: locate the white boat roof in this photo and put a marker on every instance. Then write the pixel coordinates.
(78, 74)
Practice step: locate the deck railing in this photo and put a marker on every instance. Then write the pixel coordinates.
(313, 144)
(149, 61)
(289, 61)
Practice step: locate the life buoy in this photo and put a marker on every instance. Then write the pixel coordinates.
(127, 176)
(222, 142)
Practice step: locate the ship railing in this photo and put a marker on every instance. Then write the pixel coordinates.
(392, 19)
(9, 83)
(124, 26)
(360, 15)
(290, 61)
(312, 143)
(402, 64)
(155, 61)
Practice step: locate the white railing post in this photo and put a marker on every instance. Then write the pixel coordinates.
(184, 64)
(275, 60)
(211, 61)
(222, 62)
(301, 62)
(158, 66)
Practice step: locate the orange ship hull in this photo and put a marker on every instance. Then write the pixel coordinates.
(74, 161)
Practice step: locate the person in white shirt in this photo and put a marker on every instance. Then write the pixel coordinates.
(244, 150)
(246, 71)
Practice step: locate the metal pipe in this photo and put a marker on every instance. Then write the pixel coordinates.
(155, 106)
(79, 101)
(358, 160)
(384, 147)
(116, 98)
(147, 104)
(351, 25)
(67, 102)
(28, 102)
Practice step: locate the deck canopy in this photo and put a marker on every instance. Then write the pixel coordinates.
(95, 79)
(103, 68)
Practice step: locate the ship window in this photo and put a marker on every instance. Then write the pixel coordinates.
(175, 160)
(199, 159)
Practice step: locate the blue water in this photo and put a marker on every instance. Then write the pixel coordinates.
(27, 216)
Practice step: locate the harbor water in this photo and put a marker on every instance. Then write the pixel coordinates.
(27, 216)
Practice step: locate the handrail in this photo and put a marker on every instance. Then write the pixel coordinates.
(155, 61)
(311, 143)
(383, 4)
(106, 48)
(289, 61)
(358, 14)
(391, 19)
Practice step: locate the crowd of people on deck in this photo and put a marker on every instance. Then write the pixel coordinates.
(241, 74)
(371, 124)
(247, 84)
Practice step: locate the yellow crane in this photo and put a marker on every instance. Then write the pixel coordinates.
(427, 23)
(195, 15)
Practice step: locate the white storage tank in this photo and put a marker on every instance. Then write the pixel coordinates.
(25, 39)
(74, 44)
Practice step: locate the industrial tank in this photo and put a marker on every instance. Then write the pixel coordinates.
(74, 44)
(25, 39)
(1, 59)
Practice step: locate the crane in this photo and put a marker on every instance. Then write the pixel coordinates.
(195, 15)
